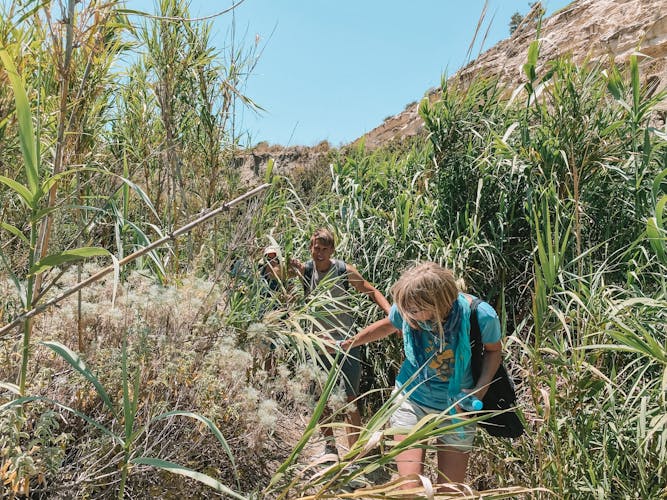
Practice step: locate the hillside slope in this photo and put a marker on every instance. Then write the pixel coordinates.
(598, 30)
(595, 29)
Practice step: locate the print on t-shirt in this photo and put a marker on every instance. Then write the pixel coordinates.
(443, 364)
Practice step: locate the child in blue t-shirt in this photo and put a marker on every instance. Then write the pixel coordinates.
(434, 320)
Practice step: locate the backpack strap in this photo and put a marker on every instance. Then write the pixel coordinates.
(476, 346)
(500, 395)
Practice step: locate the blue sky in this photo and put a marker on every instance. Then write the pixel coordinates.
(333, 70)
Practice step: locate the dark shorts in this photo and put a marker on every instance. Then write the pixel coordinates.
(350, 371)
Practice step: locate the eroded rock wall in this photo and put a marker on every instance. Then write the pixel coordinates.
(596, 30)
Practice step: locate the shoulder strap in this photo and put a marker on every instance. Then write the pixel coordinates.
(307, 276)
(341, 270)
(476, 346)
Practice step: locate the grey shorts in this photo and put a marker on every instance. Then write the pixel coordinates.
(350, 371)
(410, 413)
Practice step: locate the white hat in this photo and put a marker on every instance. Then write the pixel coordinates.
(272, 249)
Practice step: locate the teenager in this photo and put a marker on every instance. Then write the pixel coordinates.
(336, 323)
(433, 317)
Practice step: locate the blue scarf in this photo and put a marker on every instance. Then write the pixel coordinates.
(457, 332)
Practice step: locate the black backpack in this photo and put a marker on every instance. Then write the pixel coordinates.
(500, 396)
(341, 271)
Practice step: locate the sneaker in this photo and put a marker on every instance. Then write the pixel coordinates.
(329, 454)
(356, 482)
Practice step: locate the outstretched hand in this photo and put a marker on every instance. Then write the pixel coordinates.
(296, 265)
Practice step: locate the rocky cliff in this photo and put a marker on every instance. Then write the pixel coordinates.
(597, 30)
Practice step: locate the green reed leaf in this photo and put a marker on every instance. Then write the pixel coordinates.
(26, 196)
(184, 471)
(24, 117)
(67, 256)
(76, 362)
(212, 427)
(15, 231)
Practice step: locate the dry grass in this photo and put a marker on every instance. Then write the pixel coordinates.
(188, 360)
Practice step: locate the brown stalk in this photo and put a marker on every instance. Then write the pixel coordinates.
(45, 227)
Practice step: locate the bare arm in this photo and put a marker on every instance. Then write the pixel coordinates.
(493, 356)
(363, 286)
(375, 331)
(296, 267)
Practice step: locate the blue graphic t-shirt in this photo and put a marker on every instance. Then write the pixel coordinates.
(434, 363)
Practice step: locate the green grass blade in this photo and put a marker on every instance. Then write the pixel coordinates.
(268, 175)
(144, 197)
(18, 402)
(128, 414)
(83, 416)
(24, 116)
(142, 194)
(20, 288)
(126, 188)
(636, 87)
(656, 238)
(615, 83)
(144, 241)
(19, 189)
(184, 471)
(659, 210)
(15, 231)
(656, 189)
(66, 256)
(212, 427)
(79, 365)
(531, 63)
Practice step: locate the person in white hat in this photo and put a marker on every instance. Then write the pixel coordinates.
(271, 270)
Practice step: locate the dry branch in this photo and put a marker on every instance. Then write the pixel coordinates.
(170, 237)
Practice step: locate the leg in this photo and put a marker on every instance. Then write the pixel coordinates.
(409, 462)
(351, 372)
(325, 418)
(330, 449)
(327, 431)
(452, 466)
(353, 420)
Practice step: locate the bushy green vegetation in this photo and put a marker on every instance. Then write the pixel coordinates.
(547, 200)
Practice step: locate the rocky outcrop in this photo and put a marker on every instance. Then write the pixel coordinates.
(253, 161)
(597, 30)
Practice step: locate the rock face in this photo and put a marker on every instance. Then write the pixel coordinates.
(288, 159)
(586, 29)
(593, 29)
